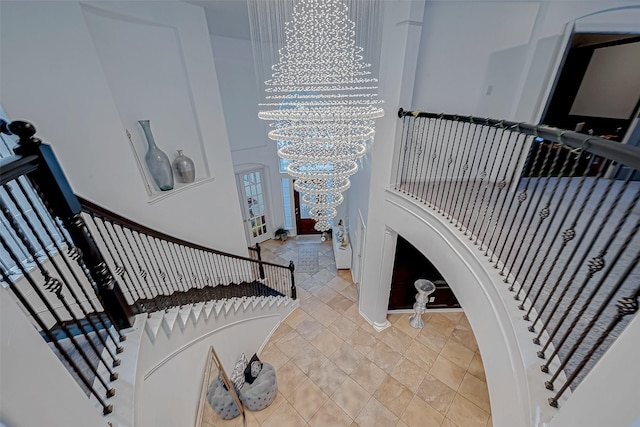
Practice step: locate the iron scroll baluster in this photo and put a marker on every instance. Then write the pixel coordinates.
(64, 204)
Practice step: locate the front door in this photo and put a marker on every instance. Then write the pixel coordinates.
(254, 207)
(304, 223)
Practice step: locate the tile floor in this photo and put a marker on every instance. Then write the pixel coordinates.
(335, 370)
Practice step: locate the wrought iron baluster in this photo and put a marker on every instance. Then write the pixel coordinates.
(165, 271)
(406, 166)
(120, 270)
(206, 268)
(106, 408)
(484, 191)
(184, 275)
(147, 272)
(161, 249)
(520, 142)
(421, 149)
(236, 271)
(53, 285)
(23, 254)
(549, 246)
(595, 265)
(522, 197)
(77, 280)
(470, 188)
(202, 274)
(195, 276)
(626, 306)
(500, 183)
(408, 155)
(128, 255)
(587, 303)
(543, 215)
(459, 159)
(137, 269)
(446, 181)
(567, 236)
(210, 277)
(432, 160)
(425, 160)
(465, 168)
(536, 199)
(414, 159)
(217, 269)
(503, 181)
(401, 155)
(439, 178)
(482, 174)
(152, 264)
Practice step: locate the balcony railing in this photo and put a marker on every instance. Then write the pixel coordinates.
(81, 272)
(555, 211)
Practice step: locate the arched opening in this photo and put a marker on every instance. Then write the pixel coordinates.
(410, 265)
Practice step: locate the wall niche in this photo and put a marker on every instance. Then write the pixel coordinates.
(150, 83)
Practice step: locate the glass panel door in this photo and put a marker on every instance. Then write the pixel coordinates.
(255, 213)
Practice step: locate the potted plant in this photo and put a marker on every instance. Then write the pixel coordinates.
(281, 233)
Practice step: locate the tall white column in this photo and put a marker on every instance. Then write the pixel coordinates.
(402, 24)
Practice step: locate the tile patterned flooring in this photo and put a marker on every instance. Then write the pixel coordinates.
(335, 370)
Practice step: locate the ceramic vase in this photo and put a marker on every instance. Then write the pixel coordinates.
(184, 168)
(157, 161)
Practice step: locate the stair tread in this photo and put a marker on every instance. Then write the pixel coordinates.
(163, 302)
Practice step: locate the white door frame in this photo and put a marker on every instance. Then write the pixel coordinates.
(251, 241)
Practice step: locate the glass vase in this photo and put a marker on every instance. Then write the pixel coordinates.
(157, 161)
(184, 168)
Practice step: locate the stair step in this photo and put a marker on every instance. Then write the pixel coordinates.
(210, 310)
(207, 293)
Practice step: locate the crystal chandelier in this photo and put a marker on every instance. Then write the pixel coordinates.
(322, 101)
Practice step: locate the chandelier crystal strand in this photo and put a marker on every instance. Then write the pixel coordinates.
(324, 103)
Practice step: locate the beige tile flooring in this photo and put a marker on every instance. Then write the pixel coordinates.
(334, 369)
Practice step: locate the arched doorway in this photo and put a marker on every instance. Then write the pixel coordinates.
(410, 265)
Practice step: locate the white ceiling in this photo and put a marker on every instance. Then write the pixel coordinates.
(228, 18)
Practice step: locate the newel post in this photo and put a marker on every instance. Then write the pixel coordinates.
(56, 193)
(293, 280)
(260, 265)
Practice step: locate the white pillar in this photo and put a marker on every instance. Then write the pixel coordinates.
(402, 25)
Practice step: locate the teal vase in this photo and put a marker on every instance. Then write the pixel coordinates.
(157, 161)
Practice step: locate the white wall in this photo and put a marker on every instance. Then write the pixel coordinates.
(495, 59)
(251, 148)
(165, 356)
(58, 71)
(35, 388)
(457, 44)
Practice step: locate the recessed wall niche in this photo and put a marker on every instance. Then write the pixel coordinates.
(147, 72)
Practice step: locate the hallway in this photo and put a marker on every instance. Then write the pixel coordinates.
(334, 369)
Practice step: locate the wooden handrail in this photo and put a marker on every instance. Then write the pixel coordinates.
(113, 217)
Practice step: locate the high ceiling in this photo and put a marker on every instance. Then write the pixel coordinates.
(228, 18)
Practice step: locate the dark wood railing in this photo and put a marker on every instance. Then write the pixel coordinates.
(81, 272)
(161, 271)
(555, 211)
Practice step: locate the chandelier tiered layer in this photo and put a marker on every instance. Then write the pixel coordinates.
(323, 103)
